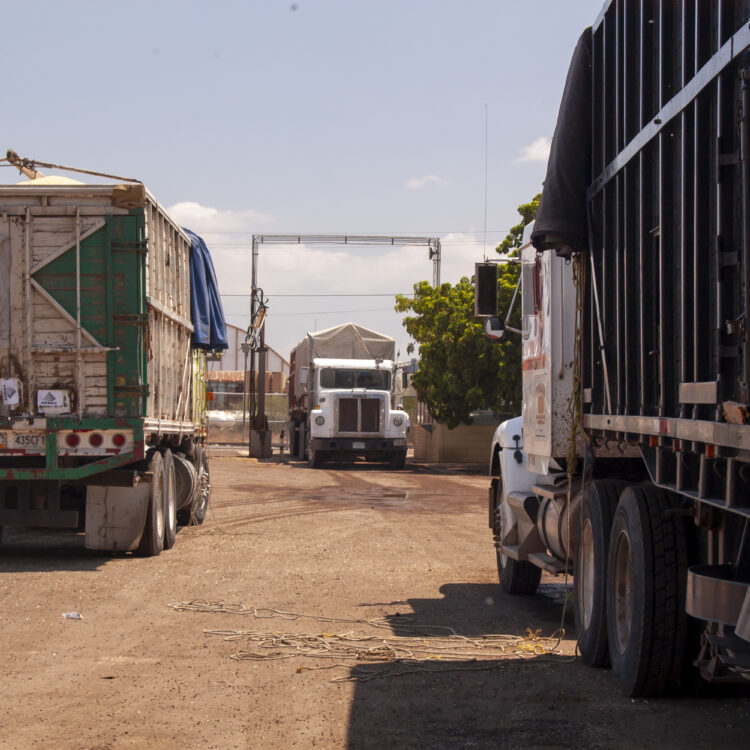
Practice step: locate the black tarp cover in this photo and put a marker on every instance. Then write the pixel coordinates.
(206, 311)
(561, 219)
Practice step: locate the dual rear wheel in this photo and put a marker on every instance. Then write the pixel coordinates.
(630, 580)
(160, 528)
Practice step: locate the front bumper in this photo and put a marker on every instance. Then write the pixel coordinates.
(358, 445)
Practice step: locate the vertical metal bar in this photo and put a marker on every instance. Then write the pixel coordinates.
(642, 231)
(253, 311)
(29, 359)
(646, 189)
(80, 385)
(683, 229)
(602, 349)
(745, 191)
(109, 310)
(618, 248)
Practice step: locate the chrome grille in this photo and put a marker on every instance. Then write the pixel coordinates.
(359, 415)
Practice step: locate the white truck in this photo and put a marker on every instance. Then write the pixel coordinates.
(342, 398)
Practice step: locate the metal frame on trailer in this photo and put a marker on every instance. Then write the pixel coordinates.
(673, 309)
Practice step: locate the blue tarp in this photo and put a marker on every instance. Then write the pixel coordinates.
(206, 312)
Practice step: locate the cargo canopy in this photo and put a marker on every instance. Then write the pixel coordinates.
(561, 220)
(207, 313)
(347, 341)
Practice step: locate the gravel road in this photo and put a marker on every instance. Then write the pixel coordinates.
(348, 607)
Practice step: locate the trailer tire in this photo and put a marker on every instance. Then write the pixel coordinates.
(398, 460)
(315, 459)
(590, 567)
(517, 577)
(170, 499)
(152, 539)
(646, 582)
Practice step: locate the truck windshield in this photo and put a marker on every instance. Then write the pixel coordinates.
(347, 378)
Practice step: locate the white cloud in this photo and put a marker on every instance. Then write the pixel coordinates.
(417, 183)
(202, 219)
(536, 151)
(299, 269)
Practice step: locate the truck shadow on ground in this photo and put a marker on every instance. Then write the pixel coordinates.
(519, 700)
(434, 703)
(409, 468)
(41, 550)
(471, 609)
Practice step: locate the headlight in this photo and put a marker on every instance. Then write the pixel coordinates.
(398, 421)
(319, 420)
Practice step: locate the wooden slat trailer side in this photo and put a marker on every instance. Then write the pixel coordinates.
(102, 420)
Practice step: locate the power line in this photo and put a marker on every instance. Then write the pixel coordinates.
(316, 312)
(356, 294)
(245, 233)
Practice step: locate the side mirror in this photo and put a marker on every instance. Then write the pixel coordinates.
(303, 375)
(485, 290)
(494, 328)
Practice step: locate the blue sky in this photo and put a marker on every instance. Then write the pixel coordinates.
(300, 117)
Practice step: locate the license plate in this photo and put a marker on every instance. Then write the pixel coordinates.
(22, 441)
(358, 446)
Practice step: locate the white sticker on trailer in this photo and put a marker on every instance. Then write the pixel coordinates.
(11, 392)
(48, 401)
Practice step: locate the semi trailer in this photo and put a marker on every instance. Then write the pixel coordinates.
(629, 468)
(108, 310)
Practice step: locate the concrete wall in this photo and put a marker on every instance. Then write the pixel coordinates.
(468, 444)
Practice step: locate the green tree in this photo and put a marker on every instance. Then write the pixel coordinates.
(459, 369)
(515, 235)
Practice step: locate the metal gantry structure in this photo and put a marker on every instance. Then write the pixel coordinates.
(255, 343)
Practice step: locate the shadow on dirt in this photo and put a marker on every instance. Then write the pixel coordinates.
(409, 468)
(467, 704)
(42, 550)
(471, 609)
(482, 703)
(522, 701)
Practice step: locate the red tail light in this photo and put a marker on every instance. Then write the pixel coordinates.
(72, 439)
(95, 439)
(118, 440)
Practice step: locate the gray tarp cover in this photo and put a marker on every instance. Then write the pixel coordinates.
(347, 341)
(561, 220)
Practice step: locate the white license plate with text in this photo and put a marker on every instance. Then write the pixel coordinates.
(21, 441)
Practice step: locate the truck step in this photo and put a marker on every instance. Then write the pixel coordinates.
(547, 562)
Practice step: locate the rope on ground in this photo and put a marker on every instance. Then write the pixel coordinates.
(414, 647)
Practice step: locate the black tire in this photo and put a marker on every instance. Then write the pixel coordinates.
(646, 582)
(170, 499)
(398, 460)
(590, 581)
(315, 459)
(152, 539)
(517, 577)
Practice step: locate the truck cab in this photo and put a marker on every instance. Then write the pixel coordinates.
(352, 412)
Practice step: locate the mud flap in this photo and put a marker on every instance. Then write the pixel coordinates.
(115, 516)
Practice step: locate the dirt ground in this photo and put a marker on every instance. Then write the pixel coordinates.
(403, 559)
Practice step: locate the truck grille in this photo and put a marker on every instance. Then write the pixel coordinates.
(359, 415)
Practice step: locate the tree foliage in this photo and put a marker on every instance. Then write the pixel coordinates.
(460, 370)
(515, 235)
